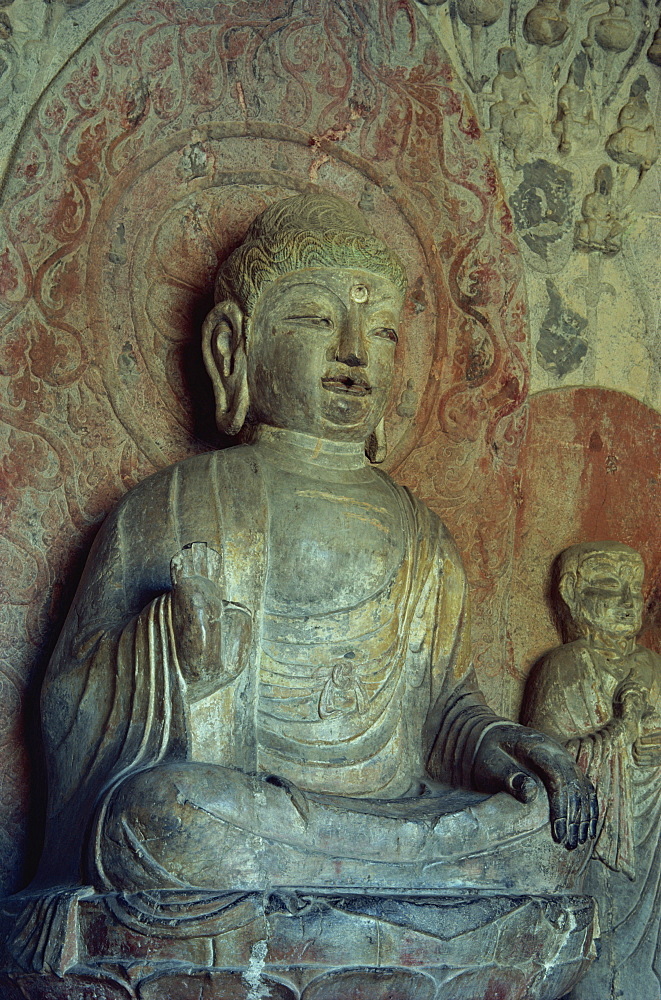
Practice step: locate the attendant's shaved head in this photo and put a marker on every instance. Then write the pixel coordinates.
(601, 586)
(571, 560)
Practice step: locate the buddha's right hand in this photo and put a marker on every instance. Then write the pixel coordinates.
(212, 636)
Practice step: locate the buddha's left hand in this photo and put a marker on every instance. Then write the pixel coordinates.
(515, 759)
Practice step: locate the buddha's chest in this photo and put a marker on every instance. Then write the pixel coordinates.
(331, 546)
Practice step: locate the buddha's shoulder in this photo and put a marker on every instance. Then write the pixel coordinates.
(427, 525)
(188, 479)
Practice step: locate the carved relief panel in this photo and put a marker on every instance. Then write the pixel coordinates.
(569, 96)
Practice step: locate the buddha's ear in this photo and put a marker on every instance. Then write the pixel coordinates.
(224, 351)
(376, 447)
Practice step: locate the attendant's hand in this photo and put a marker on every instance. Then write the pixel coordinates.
(631, 706)
(646, 751)
(212, 637)
(515, 759)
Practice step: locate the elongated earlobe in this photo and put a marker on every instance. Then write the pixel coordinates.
(376, 447)
(224, 351)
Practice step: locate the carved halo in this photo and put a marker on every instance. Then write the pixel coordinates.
(175, 234)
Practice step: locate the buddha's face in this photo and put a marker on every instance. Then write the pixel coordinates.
(609, 594)
(321, 351)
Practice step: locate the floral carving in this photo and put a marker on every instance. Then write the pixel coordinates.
(8, 273)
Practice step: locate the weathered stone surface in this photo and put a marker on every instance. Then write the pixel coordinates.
(450, 422)
(209, 985)
(457, 947)
(51, 472)
(560, 347)
(543, 205)
(263, 691)
(82, 987)
(137, 203)
(579, 96)
(589, 472)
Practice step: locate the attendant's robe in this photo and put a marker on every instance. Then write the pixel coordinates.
(570, 696)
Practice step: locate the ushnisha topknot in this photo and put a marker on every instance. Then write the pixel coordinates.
(308, 230)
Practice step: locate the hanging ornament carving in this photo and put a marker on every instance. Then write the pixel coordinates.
(480, 13)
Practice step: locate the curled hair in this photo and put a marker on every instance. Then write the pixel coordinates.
(309, 230)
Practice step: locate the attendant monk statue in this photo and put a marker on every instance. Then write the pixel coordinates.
(265, 676)
(600, 694)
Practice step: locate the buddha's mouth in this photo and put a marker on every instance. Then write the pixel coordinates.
(346, 384)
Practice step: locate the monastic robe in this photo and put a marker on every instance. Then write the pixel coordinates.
(404, 705)
(571, 698)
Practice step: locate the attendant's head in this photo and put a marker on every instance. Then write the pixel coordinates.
(303, 332)
(508, 61)
(602, 585)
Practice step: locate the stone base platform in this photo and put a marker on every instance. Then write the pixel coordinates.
(295, 945)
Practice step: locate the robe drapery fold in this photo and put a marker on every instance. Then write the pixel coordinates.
(119, 706)
(114, 700)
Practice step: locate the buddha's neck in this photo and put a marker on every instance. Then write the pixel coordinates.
(310, 455)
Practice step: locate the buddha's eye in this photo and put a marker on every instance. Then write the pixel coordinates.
(321, 321)
(386, 333)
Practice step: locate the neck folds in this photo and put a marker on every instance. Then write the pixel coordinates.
(308, 454)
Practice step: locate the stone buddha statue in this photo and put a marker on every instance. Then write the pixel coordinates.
(264, 679)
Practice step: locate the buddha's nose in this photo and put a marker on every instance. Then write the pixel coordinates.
(351, 347)
(352, 361)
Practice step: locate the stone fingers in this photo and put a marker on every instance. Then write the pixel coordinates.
(195, 559)
(577, 816)
(651, 741)
(647, 756)
(558, 808)
(646, 751)
(536, 752)
(522, 785)
(587, 810)
(582, 812)
(500, 771)
(594, 814)
(572, 799)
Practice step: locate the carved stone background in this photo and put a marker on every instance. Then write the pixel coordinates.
(569, 94)
(162, 129)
